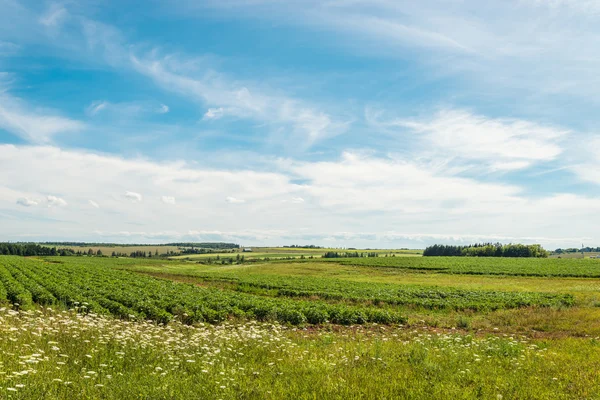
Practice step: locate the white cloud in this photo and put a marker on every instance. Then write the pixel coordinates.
(297, 200)
(502, 144)
(362, 198)
(168, 199)
(54, 201)
(163, 109)
(213, 113)
(33, 124)
(585, 159)
(93, 204)
(26, 202)
(234, 200)
(133, 196)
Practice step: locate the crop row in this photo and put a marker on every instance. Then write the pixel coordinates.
(486, 265)
(430, 297)
(97, 288)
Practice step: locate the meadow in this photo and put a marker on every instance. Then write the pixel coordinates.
(380, 327)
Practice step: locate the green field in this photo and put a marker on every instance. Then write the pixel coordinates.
(486, 265)
(382, 327)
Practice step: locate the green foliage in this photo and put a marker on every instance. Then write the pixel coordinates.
(487, 250)
(349, 254)
(31, 249)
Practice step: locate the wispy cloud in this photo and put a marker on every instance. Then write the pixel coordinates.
(33, 124)
(54, 201)
(300, 121)
(54, 16)
(93, 204)
(537, 48)
(214, 113)
(124, 109)
(234, 200)
(501, 144)
(168, 200)
(133, 196)
(96, 107)
(23, 201)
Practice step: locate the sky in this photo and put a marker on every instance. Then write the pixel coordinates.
(342, 123)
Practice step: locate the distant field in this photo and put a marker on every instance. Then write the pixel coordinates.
(283, 252)
(324, 250)
(575, 255)
(486, 265)
(107, 250)
(257, 252)
(248, 255)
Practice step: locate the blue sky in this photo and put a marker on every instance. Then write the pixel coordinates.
(343, 123)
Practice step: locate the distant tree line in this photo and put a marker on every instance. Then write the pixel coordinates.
(574, 250)
(32, 249)
(207, 245)
(202, 250)
(348, 254)
(487, 250)
(298, 246)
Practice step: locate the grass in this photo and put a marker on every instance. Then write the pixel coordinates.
(57, 355)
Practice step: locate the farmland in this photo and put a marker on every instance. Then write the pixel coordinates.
(487, 265)
(394, 327)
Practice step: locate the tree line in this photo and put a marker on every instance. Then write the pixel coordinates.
(206, 245)
(486, 250)
(299, 246)
(575, 250)
(32, 249)
(355, 254)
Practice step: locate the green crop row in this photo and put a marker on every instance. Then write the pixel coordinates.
(96, 288)
(430, 297)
